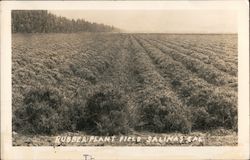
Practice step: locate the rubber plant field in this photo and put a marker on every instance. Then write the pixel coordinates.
(124, 84)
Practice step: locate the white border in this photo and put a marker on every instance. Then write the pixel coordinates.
(238, 152)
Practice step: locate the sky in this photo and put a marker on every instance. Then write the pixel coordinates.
(160, 21)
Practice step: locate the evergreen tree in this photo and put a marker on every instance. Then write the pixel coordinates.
(41, 21)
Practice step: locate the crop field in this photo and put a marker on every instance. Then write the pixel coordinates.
(122, 84)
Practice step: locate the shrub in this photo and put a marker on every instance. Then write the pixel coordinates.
(163, 113)
(223, 107)
(42, 111)
(76, 114)
(200, 117)
(214, 108)
(106, 112)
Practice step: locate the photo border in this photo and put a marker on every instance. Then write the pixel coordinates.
(241, 151)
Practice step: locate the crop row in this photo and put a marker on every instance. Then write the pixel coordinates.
(217, 42)
(215, 47)
(211, 106)
(228, 55)
(69, 76)
(209, 73)
(159, 108)
(112, 83)
(208, 57)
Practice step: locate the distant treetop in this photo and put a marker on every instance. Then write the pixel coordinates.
(41, 21)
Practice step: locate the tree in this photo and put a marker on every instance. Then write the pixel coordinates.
(41, 21)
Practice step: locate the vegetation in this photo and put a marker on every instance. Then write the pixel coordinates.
(199, 94)
(106, 112)
(109, 84)
(41, 21)
(43, 111)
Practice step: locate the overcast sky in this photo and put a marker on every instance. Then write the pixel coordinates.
(170, 21)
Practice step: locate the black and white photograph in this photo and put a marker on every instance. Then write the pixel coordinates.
(137, 77)
(138, 74)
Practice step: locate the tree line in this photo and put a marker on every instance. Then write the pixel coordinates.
(41, 21)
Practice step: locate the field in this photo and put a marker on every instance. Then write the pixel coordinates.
(122, 84)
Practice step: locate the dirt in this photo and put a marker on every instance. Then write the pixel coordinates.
(210, 138)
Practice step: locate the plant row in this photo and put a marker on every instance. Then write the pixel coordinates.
(211, 106)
